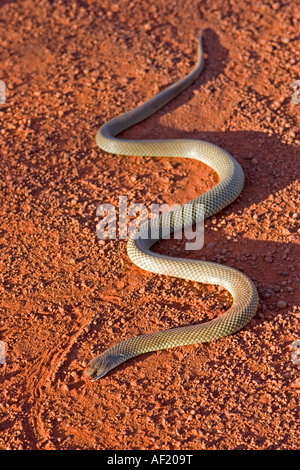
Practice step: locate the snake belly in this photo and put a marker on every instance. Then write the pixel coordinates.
(231, 181)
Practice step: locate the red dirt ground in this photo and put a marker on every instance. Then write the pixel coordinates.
(66, 295)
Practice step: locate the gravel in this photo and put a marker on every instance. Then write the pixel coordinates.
(66, 296)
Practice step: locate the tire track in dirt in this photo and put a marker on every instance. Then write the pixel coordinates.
(42, 379)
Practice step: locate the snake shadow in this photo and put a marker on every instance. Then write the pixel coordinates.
(270, 167)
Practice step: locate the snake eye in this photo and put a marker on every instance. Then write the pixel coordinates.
(92, 373)
(97, 376)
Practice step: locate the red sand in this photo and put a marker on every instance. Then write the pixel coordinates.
(66, 296)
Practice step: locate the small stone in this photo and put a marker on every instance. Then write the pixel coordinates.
(120, 285)
(281, 304)
(115, 8)
(64, 387)
(296, 383)
(268, 292)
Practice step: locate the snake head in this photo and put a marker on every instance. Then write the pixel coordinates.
(100, 365)
(97, 368)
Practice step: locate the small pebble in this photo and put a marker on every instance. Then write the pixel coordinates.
(296, 383)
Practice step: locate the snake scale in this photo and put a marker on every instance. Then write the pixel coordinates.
(231, 181)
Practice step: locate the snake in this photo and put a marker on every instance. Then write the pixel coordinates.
(230, 183)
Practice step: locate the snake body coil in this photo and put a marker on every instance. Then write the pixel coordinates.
(231, 180)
